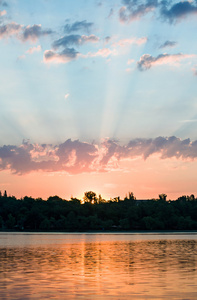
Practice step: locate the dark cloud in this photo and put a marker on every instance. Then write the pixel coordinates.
(65, 42)
(170, 11)
(73, 39)
(134, 9)
(68, 54)
(9, 29)
(168, 44)
(111, 13)
(77, 157)
(23, 33)
(78, 26)
(166, 147)
(34, 32)
(177, 11)
(99, 3)
(147, 61)
(3, 3)
(107, 39)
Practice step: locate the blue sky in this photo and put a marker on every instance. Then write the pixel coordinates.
(96, 71)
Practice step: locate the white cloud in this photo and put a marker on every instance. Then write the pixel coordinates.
(66, 96)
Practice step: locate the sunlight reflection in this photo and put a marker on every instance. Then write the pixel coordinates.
(149, 268)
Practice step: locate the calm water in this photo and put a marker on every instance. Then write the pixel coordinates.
(98, 266)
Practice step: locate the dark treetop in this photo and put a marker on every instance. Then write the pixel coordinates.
(95, 213)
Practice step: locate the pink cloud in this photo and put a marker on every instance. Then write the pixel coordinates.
(104, 52)
(147, 61)
(34, 49)
(9, 29)
(130, 61)
(3, 13)
(130, 41)
(75, 157)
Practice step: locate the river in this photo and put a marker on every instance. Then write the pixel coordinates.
(98, 266)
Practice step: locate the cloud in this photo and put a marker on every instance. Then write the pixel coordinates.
(21, 57)
(104, 52)
(189, 121)
(177, 11)
(66, 96)
(3, 13)
(69, 40)
(130, 61)
(78, 26)
(168, 44)
(79, 40)
(133, 9)
(24, 33)
(34, 32)
(194, 69)
(3, 3)
(107, 39)
(147, 61)
(111, 13)
(166, 10)
(76, 157)
(70, 156)
(34, 49)
(67, 55)
(9, 29)
(130, 41)
(169, 147)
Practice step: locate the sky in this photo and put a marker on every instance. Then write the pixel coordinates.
(98, 95)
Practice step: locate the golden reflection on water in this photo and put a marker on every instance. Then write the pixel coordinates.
(100, 269)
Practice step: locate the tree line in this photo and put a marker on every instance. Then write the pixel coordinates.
(96, 214)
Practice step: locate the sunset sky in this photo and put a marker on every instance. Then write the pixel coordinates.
(98, 95)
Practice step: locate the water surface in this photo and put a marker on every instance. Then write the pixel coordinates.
(98, 266)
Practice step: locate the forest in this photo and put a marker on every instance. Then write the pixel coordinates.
(94, 213)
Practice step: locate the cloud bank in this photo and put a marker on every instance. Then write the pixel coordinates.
(76, 157)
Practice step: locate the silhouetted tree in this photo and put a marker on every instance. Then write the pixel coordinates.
(162, 197)
(130, 196)
(5, 194)
(191, 197)
(101, 200)
(90, 197)
(75, 200)
(97, 214)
